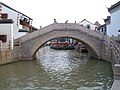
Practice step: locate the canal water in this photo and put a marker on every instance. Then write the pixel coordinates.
(57, 70)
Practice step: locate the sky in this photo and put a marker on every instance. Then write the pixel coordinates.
(43, 12)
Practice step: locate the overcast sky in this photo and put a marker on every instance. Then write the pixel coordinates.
(44, 11)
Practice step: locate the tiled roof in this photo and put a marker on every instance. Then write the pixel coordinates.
(86, 21)
(5, 21)
(97, 23)
(107, 19)
(14, 10)
(114, 6)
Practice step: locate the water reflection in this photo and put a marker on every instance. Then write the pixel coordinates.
(73, 69)
(57, 70)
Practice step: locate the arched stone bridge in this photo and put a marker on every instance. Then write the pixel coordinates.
(93, 41)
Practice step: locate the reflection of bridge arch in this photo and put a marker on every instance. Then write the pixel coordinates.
(33, 41)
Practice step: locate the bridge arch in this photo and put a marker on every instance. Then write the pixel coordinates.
(92, 48)
(33, 41)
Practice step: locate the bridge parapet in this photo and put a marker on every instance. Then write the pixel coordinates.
(107, 40)
(59, 26)
(63, 26)
(116, 68)
(36, 33)
(116, 51)
(76, 26)
(115, 47)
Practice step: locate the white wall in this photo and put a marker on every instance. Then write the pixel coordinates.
(13, 15)
(7, 29)
(85, 23)
(102, 30)
(114, 26)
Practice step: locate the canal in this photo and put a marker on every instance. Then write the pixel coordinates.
(57, 70)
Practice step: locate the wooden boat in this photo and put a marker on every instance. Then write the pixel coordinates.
(62, 46)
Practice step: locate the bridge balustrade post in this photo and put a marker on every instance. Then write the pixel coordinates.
(0, 45)
(116, 84)
(117, 71)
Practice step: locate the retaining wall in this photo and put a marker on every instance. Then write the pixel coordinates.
(6, 56)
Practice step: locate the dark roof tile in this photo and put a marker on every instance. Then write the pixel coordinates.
(5, 21)
(114, 6)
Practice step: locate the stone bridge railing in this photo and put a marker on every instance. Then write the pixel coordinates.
(115, 47)
(75, 26)
(34, 34)
(58, 26)
(115, 56)
(116, 51)
(116, 68)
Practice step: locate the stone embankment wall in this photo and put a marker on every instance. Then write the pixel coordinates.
(10, 55)
(106, 53)
(6, 56)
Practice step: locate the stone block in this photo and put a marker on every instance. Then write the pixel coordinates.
(0, 55)
(116, 85)
(117, 69)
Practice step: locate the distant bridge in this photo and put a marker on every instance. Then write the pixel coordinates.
(94, 42)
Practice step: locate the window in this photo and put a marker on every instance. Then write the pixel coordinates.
(4, 16)
(88, 26)
(102, 30)
(118, 30)
(3, 38)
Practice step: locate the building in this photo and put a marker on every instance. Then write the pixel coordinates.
(22, 23)
(89, 25)
(6, 34)
(13, 24)
(113, 21)
(102, 29)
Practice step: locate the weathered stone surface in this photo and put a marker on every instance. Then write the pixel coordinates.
(6, 56)
(93, 41)
(116, 85)
(117, 71)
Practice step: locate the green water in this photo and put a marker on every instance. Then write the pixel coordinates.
(57, 70)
